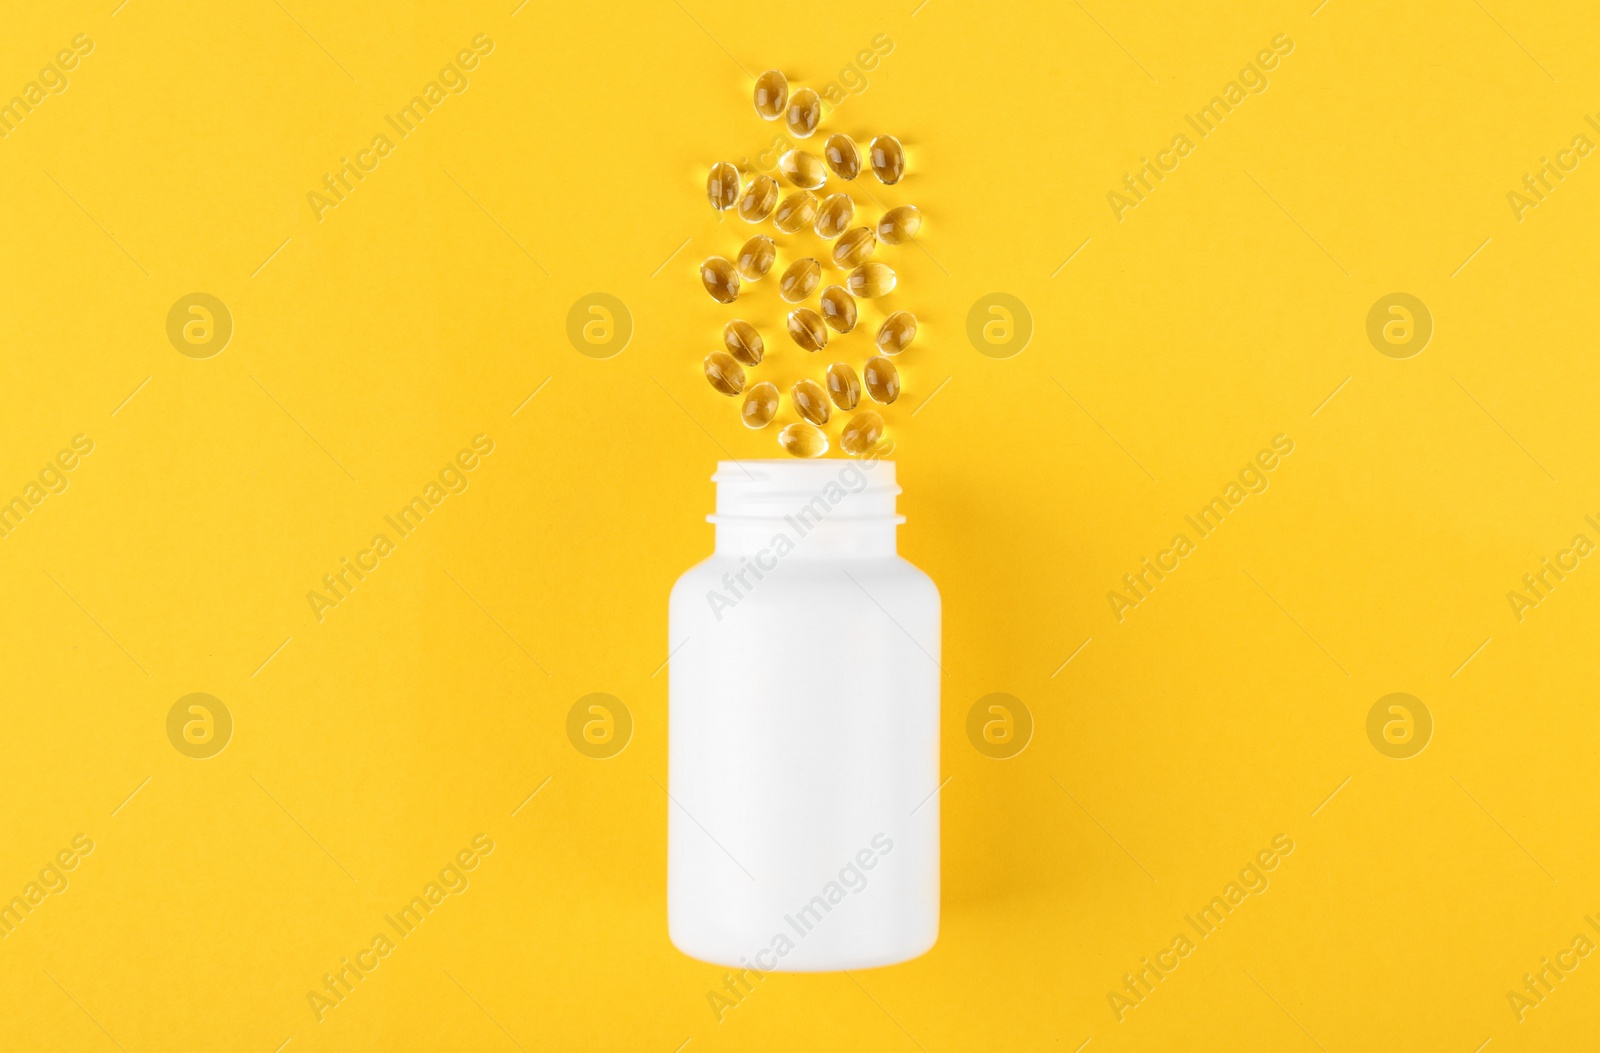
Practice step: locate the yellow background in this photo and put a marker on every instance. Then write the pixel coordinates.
(373, 344)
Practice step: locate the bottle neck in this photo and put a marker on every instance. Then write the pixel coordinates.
(825, 509)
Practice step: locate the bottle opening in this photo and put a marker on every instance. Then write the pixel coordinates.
(863, 489)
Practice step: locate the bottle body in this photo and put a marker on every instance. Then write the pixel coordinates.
(803, 755)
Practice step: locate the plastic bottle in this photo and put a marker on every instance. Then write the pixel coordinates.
(803, 755)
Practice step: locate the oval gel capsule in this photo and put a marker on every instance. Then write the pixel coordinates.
(720, 279)
(802, 440)
(843, 386)
(760, 405)
(724, 373)
(871, 279)
(799, 279)
(888, 159)
(882, 380)
(810, 401)
(771, 95)
(742, 341)
(756, 257)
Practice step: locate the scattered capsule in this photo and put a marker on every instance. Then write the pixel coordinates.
(758, 199)
(838, 308)
(897, 332)
(899, 224)
(882, 379)
(720, 279)
(810, 401)
(834, 215)
(800, 279)
(802, 440)
(861, 433)
(760, 405)
(854, 246)
(726, 375)
(743, 342)
(807, 330)
(888, 159)
(871, 279)
(757, 257)
(795, 212)
(840, 153)
(803, 168)
(843, 387)
(722, 186)
(772, 94)
(805, 113)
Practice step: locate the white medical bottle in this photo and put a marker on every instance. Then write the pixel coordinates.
(803, 727)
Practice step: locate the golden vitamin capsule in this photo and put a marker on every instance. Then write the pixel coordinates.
(834, 215)
(802, 440)
(758, 199)
(722, 186)
(888, 159)
(897, 332)
(720, 279)
(871, 279)
(843, 387)
(810, 401)
(854, 246)
(795, 212)
(760, 405)
(861, 433)
(807, 330)
(805, 113)
(899, 224)
(840, 153)
(725, 374)
(772, 95)
(882, 379)
(838, 308)
(800, 279)
(743, 342)
(803, 169)
(757, 257)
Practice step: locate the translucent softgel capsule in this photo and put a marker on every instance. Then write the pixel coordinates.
(840, 153)
(722, 186)
(888, 159)
(810, 401)
(861, 433)
(843, 386)
(720, 279)
(838, 308)
(854, 246)
(803, 168)
(756, 257)
(834, 215)
(802, 440)
(760, 405)
(743, 342)
(804, 113)
(795, 212)
(725, 374)
(882, 379)
(899, 224)
(897, 332)
(771, 95)
(759, 198)
(871, 279)
(799, 279)
(807, 330)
